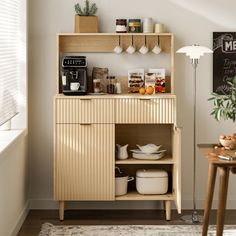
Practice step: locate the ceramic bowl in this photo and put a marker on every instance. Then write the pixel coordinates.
(230, 144)
(149, 148)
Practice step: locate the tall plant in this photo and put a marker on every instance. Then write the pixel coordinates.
(225, 104)
(87, 10)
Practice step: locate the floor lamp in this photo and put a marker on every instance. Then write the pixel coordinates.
(194, 52)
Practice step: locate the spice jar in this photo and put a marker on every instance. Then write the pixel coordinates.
(121, 25)
(135, 26)
(111, 84)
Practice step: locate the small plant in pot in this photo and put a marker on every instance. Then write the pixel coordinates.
(86, 20)
(225, 108)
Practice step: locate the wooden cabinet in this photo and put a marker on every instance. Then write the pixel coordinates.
(85, 145)
(86, 129)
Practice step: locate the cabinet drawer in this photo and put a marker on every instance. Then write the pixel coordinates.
(145, 110)
(74, 110)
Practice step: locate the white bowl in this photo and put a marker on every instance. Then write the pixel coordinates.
(149, 148)
(231, 144)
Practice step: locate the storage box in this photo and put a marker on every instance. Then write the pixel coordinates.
(151, 181)
(86, 24)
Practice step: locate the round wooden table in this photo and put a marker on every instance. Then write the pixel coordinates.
(224, 168)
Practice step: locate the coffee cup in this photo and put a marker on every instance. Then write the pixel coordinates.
(156, 49)
(74, 86)
(143, 49)
(118, 49)
(130, 49)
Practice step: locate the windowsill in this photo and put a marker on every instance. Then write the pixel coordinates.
(8, 137)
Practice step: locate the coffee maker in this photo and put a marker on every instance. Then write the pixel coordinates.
(74, 75)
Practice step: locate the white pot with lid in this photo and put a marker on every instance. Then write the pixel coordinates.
(121, 182)
(151, 181)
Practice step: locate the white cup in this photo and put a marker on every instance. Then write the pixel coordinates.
(118, 49)
(156, 49)
(74, 86)
(131, 49)
(143, 49)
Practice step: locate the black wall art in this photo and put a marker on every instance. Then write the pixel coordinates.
(224, 60)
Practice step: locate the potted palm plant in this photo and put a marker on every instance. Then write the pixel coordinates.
(225, 108)
(86, 20)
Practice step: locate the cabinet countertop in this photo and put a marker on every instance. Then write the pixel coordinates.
(116, 96)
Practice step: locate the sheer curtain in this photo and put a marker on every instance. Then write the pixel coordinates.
(12, 56)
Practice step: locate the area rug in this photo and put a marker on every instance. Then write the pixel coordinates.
(130, 230)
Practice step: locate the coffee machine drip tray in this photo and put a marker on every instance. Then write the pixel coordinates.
(74, 75)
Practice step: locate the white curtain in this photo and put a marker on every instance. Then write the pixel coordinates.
(12, 55)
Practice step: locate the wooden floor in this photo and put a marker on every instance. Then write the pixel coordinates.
(36, 218)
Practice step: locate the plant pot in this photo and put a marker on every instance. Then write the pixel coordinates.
(86, 24)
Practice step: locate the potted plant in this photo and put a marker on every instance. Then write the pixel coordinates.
(225, 108)
(225, 104)
(85, 19)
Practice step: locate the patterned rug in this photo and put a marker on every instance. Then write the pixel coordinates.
(130, 230)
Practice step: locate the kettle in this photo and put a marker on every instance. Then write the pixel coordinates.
(122, 152)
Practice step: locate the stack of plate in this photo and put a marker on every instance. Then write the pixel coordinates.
(148, 152)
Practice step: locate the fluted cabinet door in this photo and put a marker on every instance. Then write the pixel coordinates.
(84, 162)
(177, 167)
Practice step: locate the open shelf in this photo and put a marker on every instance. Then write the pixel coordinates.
(163, 160)
(136, 196)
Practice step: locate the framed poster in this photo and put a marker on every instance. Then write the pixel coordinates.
(224, 60)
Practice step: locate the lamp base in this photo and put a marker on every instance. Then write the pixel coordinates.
(195, 218)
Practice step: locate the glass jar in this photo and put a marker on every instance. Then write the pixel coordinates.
(111, 84)
(121, 25)
(135, 26)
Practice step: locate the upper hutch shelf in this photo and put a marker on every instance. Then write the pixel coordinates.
(106, 42)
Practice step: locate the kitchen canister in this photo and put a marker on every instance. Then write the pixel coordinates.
(135, 26)
(147, 25)
(121, 25)
(151, 181)
(159, 28)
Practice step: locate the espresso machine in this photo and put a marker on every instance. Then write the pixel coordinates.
(74, 75)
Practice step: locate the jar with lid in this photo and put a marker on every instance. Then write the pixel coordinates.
(111, 84)
(135, 26)
(147, 25)
(121, 25)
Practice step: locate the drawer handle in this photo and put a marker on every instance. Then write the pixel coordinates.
(86, 99)
(145, 99)
(86, 124)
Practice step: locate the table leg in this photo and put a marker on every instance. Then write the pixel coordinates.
(223, 188)
(210, 190)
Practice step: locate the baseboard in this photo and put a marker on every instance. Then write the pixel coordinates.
(188, 204)
(49, 204)
(20, 220)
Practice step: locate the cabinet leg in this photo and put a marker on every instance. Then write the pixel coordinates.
(168, 209)
(61, 209)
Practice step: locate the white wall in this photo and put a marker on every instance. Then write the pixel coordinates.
(13, 186)
(191, 21)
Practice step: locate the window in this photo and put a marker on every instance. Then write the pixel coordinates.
(12, 58)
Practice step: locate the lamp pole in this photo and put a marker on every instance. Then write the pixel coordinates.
(194, 52)
(195, 217)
